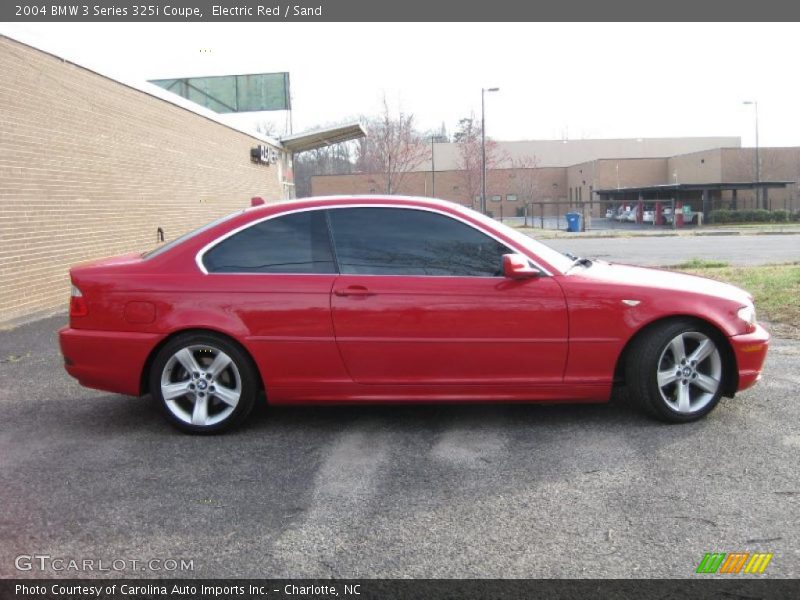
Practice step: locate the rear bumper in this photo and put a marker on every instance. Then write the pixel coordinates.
(107, 360)
(750, 350)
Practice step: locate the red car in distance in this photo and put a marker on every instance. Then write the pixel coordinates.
(387, 299)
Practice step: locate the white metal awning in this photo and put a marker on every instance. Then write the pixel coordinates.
(318, 138)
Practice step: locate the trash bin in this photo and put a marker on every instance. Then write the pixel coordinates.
(573, 221)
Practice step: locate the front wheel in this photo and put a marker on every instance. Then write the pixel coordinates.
(676, 371)
(203, 382)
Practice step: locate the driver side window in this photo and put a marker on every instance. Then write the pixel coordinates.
(400, 241)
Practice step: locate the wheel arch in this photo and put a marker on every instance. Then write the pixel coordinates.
(144, 384)
(731, 372)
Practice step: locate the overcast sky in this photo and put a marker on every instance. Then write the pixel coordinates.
(572, 80)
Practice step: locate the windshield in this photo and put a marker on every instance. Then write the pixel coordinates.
(186, 236)
(546, 253)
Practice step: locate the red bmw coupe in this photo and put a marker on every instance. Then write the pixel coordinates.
(387, 299)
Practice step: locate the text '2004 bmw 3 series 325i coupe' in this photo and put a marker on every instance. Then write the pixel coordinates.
(386, 299)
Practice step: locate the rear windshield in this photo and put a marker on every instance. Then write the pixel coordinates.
(187, 236)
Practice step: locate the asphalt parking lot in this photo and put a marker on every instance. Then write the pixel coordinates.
(673, 250)
(425, 491)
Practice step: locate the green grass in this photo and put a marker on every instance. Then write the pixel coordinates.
(775, 288)
(699, 263)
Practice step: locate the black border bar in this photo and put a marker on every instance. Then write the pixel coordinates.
(277, 11)
(700, 588)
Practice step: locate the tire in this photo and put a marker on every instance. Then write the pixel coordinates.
(676, 372)
(204, 383)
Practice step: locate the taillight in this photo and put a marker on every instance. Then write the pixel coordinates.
(77, 303)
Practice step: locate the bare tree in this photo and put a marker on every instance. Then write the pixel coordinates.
(468, 138)
(328, 160)
(266, 128)
(526, 178)
(392, 148)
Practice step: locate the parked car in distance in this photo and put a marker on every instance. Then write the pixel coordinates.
(689, 216)
(624, 214)
(387, 299)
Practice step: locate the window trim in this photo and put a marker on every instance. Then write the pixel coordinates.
(201, 253)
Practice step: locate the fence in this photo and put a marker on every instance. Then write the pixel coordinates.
(613, 214)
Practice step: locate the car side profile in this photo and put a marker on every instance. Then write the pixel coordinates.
(389, 299)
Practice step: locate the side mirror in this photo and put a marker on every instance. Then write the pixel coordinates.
(516, 266)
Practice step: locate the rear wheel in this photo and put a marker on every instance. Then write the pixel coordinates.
(203, 382)
(676, 371)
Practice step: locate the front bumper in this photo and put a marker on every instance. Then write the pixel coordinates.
(107, 360)
(750, 350)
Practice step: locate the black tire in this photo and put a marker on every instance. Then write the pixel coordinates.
(652, 352)
(239, 376)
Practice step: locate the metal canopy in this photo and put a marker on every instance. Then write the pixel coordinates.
(696, 187)
(318, 138)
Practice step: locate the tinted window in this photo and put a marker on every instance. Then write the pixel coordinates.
(296, 243)
(395, 241)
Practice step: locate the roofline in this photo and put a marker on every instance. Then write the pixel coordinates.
(427, 172)
(151, 90)
(694, 186)
(622, 139)
(374, 197)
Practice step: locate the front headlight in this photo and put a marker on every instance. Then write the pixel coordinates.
(748, 315)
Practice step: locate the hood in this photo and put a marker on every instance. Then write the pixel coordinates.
(662, 279)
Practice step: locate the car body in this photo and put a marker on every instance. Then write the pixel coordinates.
(388, 299)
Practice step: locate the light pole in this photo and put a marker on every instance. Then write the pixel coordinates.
(433, 169)
(758, 160)
(483, 145)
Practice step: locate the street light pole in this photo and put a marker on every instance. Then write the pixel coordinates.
(433, 170)
(483, 145)
(758, 159)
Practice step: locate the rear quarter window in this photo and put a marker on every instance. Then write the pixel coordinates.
(294, 243)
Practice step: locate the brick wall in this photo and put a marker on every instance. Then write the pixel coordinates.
(91, 168)
(545, 184)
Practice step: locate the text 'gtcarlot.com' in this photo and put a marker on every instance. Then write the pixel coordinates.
(45, 562)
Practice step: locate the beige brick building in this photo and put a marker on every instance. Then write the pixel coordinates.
(574, 184)
(92, 167)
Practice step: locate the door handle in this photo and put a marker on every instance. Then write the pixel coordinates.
(359, 291)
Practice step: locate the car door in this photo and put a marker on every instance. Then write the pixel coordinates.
(274, 277)
(421, 299)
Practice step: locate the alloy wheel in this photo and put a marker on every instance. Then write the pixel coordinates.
(689, 372)
(201, 385)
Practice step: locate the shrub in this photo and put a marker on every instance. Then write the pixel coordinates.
(759, 215)
(722, 215)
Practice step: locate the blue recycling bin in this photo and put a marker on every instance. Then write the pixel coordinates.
(573, 221)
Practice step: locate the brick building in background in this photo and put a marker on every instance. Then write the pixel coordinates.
(92, 167)
(598, 165)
